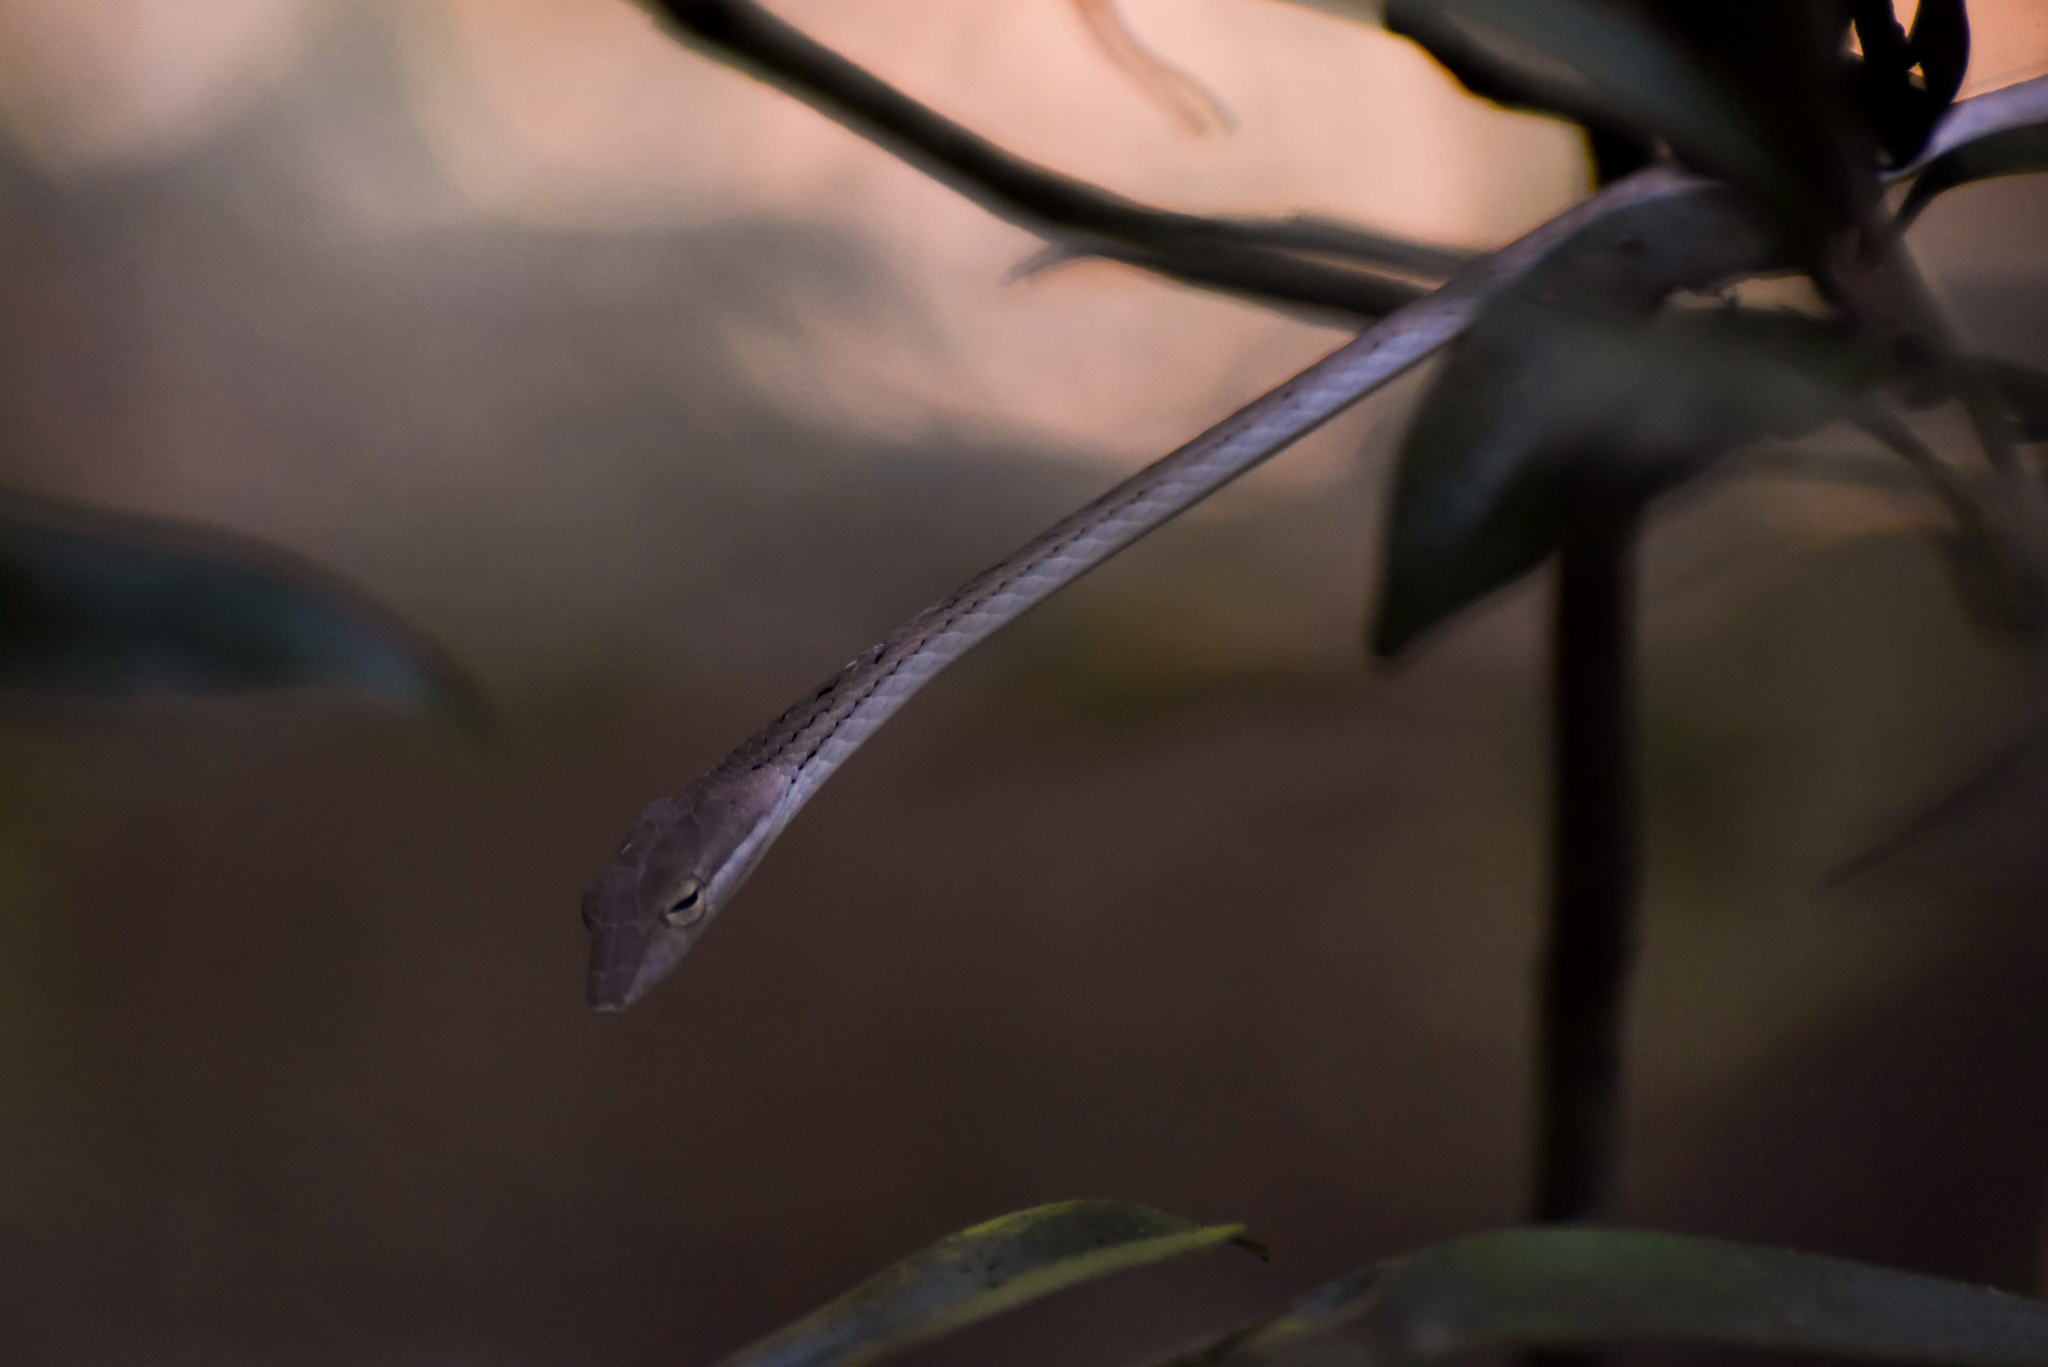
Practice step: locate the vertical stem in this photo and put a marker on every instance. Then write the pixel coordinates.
(1595, 871)
(1594, 879)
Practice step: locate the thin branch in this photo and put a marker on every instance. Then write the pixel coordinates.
(1595, 869)
(1862, 468)
(1890, 295)
(1882, 289)
(2012, 557)
(1991, 557)
(1303, 262)
(1949, 484)
(1180, 94)
(1981, 783)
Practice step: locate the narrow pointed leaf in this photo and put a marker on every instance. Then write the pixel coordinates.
(2006, 152)
(1514, 436)
(1900, 110)
(1592, 62)
(1745, 92)
(1941, 44)
(2020, 105)
(1564, 380)
(114, 606)
(1564, 1287)
(2025, 393)
(1781, 61)
(981, 1272)
(1497, 72)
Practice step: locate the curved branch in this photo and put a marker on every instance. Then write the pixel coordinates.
(1174, 90)
(1299, 261)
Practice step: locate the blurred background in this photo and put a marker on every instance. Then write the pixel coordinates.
(655, 397)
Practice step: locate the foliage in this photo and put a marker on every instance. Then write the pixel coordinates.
(1618, 366)
(981, 1272)
(98, 605)
(1504, 405)
(1514, 1288)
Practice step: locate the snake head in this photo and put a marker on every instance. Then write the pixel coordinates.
(685, 858)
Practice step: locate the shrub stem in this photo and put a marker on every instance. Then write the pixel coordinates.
(1595, 871)
(1595, 876)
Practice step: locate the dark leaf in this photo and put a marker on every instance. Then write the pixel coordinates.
(1746, 90)
(1515, 438)
(1495, 70)
(1900, 112)
(1782, 59)
(2025, 393)
(2007, 152)
(1558, 1288)
(1517, 79)
(1941, 44)
(2020, 105)
(1598, 63)
(1879, 34)
(981, 1272)
(1561, 381)
(1617, 153)
(116, 606)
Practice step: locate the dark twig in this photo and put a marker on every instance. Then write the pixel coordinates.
(1595, 855)
(1595, 876)
(1302, 262)
(1980, 784)
(1180, 94)
(1994, 571)
(1887, 294)
(1985, 557)
(1594, 869)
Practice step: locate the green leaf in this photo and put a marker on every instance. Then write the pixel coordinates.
(1563, 387)
(2024, 392)
(1514, 437)
(2007, 152)
(981, 1272)
(1588, 59)
(115, 606)
(1494, 70)
(1575, 1287)
(1744, 90)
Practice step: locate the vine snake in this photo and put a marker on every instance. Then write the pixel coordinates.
(689, 853)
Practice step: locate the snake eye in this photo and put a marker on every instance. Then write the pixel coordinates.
(688, 907)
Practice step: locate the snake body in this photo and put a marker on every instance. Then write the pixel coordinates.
(689, 853)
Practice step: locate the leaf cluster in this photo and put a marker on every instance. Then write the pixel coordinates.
(1771, 138)
(1764, 97)
(1597, 385)
(1510, 1289)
